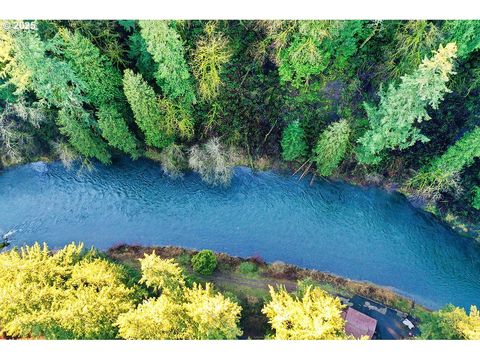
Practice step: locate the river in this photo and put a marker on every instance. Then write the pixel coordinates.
(360, 233)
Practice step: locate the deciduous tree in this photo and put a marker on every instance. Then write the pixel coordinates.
(314, 316)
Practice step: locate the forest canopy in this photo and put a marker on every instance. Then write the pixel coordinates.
(358, 99)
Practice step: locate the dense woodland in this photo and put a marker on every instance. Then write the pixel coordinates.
(363, 100)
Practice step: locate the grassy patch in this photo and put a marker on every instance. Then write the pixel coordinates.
(248, 268)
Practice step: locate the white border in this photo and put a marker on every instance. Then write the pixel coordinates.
(239, 349)
(240, 9)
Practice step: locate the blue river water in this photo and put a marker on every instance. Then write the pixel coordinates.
(355, 232)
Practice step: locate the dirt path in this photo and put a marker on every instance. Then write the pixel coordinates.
(262, 283)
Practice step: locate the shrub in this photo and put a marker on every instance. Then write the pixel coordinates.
(212, 162)
(247, 268)
(204, 262)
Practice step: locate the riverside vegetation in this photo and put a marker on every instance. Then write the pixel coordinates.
(75, 293)
(382, 101)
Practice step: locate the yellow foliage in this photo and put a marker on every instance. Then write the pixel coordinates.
(314, 316)
(180, 312)
(441, 62)
(176, 119)
(210, 55)
(10, 66)
(467, 325)
(210, 315)
(162, 275)
(155, 319)
(66, 294)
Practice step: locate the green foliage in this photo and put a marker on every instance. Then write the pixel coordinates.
(392, 122)
(17, 122)
(451, 323)
(146, 109)
(476, 198)
(205, 262)
(102, 85)
(442, 174)
(55, 83)
(268, 88)
(303, 57)
(210, 55)
(71, 121)
(332, 147)
(139, 54)
(115, 130)
(68, 294)
(165, 46)
(176, 119)
(304, 285)
(413, 41)
(461, 154)
(248, 268)
(314, 316)
(104, 34)
(465, 33)
(317, 46)
(293, 142)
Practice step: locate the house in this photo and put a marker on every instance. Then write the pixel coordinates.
(358, 324)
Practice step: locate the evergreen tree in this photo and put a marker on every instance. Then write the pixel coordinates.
(465, 33)
(331, 147)
(476, 198)
(166, 47)
(392, 122)
(293, 143)
(102, 86)
(146, 109)
(441, 175)
(55, 83)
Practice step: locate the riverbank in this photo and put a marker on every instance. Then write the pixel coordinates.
(247, 281)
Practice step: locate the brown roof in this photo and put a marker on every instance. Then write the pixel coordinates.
(359, 324)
